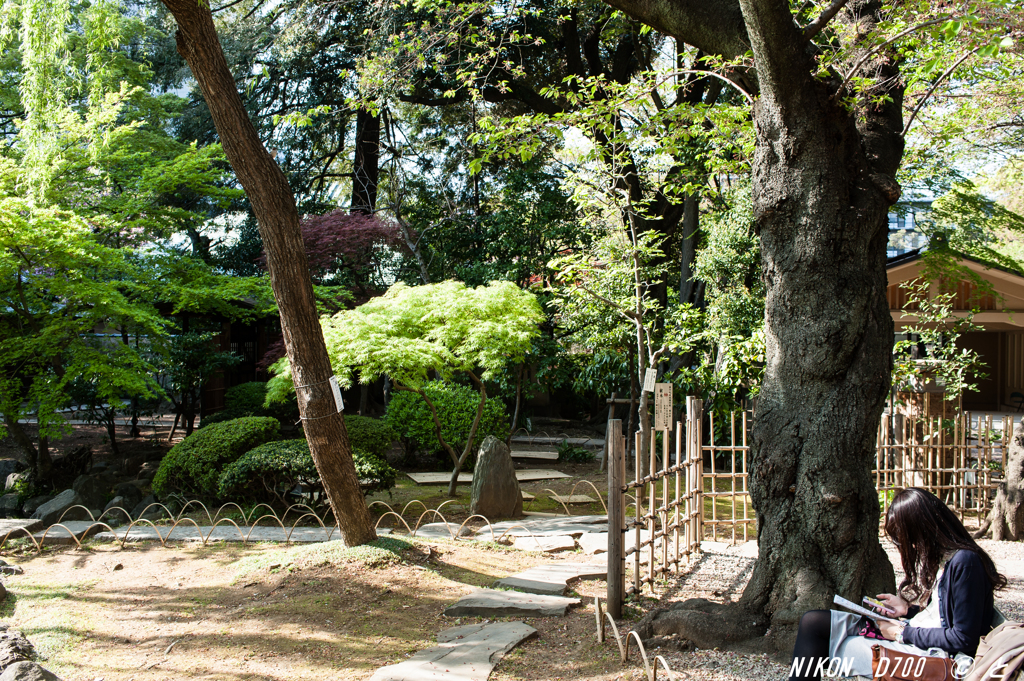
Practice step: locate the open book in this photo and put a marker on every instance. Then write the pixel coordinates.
(853, 607)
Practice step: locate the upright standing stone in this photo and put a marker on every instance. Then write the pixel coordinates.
(495, 489)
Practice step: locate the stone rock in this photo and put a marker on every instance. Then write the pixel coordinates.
(148, 470)
(9, 505)
(549, 544)
(130, 493)
(553, 579)
(154, 513)
(14, 648)
(112, 512)
(27, 671)
(8, 466)
(13, 479)
(92, 490)
(35, 502)
(99, 467)
(495, 489)
(11, 570)
(54, 510)
(18, 527)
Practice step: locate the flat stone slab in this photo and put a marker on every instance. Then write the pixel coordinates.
(226, 532)
(466, 653)
(68, 531)
(544, 455)
(551, 580)
(527, 496)
(466, 478)
(548, 544)
(594, 542)
(547, 527)
(574, 499)
(491, 603)
(14, 528)
(441, 531)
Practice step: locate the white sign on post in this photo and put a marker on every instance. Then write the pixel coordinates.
(663, 406)
(649, 378)
(337, 393)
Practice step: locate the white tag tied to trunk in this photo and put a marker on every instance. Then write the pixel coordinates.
(650, 376)
(336, 389)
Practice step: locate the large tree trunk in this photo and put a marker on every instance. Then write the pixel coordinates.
(1006, 519)
(278, 219)
(366, 168)
(823, 184)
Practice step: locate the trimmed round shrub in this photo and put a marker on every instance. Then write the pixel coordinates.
(248, 399)
(268, 472)
(370, 435)
(193, 466)
(409, 416)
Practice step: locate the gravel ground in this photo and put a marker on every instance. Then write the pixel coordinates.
(722, 572)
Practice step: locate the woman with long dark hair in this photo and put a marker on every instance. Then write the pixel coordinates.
(945, 601)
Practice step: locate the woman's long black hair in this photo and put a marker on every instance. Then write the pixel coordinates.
(925, 530)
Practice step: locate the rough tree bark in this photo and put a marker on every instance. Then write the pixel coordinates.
(823, 179)
(1006, 519)
(278, 219)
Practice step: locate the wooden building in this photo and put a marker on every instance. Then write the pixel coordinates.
(1000, 344)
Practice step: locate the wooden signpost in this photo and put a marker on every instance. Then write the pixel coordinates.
(663, 406)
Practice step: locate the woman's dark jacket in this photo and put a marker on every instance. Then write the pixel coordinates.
(965, 606)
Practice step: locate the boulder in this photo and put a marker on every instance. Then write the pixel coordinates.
(27, 671)
(14, 648)
(10, 505)
(53, 510)
(115, 516)
(130, 493)
(35, 502)
(13, 478)
(92, 490)
(148, 470)
(8, 466)
(495, 490)
(154, 513)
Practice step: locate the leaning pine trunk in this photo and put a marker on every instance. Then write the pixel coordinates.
(278, 219)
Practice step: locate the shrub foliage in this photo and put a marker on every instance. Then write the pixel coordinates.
(193, 466)
(249, 399)
(409, 416)
(268, 472)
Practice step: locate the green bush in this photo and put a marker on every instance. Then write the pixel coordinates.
(194, 465)
(248, 399)
(269, 471)
(370, 435)
(409, 416)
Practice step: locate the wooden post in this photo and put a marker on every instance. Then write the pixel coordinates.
(616, 518)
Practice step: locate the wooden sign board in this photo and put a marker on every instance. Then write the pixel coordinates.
(663, 406)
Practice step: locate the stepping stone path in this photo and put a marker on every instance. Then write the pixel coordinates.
(225, 532)
(547, 527)
(466, 653)
(442, 531)
(546, 544)
(553, 579)
(56, 534)
(471, 652)
(492, 603)
(13, 528)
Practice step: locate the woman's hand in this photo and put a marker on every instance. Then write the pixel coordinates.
(895, 606)
(890, 629)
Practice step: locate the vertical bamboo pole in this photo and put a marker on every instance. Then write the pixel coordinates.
(746, 482)
(732, 452)
(616, 463)
(678, 471)
(638, 511)
(664, 498)
(714, 479)
(652, 505)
